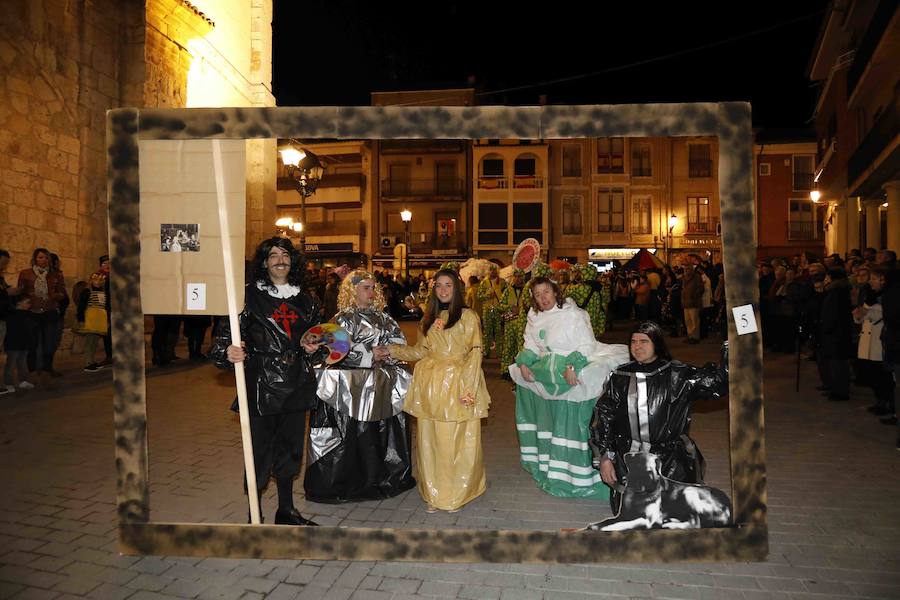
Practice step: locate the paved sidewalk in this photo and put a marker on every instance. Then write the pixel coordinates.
(834, 502)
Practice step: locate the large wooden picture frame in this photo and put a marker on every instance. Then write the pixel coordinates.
(730, 122)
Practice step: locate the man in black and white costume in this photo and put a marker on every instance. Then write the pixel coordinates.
(646, 407)
(281, 385)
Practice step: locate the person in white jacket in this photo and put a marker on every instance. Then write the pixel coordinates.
(870, 366)
(559, 375)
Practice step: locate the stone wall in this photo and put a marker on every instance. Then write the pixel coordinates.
(64, 63)
(60, 68)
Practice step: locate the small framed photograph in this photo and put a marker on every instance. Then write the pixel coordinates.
(179, 237)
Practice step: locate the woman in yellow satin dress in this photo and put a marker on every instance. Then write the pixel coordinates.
(448, 397)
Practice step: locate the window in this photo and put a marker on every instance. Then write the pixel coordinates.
(803, 172)
(765, 169)
(524, 167)
(611, 210)
(398, 182)
(640, 161)
(801, 219)
(446, 183)
(699, 161)
(641, 215)
(525, 173)
(571, 160)
(492, 223)
(571, 215)
(527, 221)
(492, 167)
(611, 155)
(698, 215)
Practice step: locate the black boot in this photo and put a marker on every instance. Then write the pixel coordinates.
(287, 513)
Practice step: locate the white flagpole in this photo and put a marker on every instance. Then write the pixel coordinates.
(240, 380)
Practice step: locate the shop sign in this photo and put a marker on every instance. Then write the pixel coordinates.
(615, 253)
(337, 247)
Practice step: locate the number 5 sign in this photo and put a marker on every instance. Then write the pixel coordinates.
(744, 319)
(196, 296)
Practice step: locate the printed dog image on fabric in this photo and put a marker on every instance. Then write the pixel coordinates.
(179, 237)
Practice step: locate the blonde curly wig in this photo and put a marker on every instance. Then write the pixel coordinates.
(347, 293)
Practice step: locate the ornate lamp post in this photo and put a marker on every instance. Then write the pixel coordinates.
(306, 170)
(673, 221)
(406, 215)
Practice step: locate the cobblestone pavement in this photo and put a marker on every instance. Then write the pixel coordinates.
(834, 503)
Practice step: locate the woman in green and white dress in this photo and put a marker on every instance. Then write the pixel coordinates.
(560, 373)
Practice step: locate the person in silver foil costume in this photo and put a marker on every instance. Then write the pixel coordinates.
(359, 435)
(646, 407)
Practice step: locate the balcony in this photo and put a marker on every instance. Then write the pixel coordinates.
(882, 136)
(422, 146)
(528, 182)
(329, 180)
(705, 227)
(352, 227)
(493, 183)
(432, 243)
(866, 50)
(803, 231)
(450, 188)
(803, 182)
(700, 167)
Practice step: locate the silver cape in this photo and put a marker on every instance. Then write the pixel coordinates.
(356, 386)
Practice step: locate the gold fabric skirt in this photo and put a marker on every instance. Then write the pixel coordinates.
(450, 462)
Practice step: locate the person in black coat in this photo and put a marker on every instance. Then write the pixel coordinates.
(281, 385)
(660, 392)
(890, 339)
(835, 331)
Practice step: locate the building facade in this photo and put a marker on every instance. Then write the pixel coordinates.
(511, 196)
(339, 213)
(857, 121)
(611, 193)
(788, 220)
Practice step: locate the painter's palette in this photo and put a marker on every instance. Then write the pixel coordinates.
(333, 337)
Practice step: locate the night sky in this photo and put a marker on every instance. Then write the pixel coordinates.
(334, 52)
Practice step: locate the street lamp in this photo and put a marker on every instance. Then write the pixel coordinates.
(814, 195)
(406, 215)
(305, 168)
(285, 225)
(673, 221)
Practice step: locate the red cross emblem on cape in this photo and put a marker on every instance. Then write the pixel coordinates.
(284, 316)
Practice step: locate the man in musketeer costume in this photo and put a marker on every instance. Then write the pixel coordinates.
(359, 436)
(281, 385)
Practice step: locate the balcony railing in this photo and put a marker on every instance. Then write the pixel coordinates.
(330, 180)
(803, 181)
(883, 133)
(700, 167)
(803, 230)
(336, 228)
(432, 242)
(493, 183)
(528, 181)
(707, 226)
(450, 187)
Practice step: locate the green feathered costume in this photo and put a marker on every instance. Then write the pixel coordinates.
(590, 296)
(514, 305)
(490, 292)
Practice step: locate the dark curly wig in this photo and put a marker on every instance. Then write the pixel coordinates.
(261, 273)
